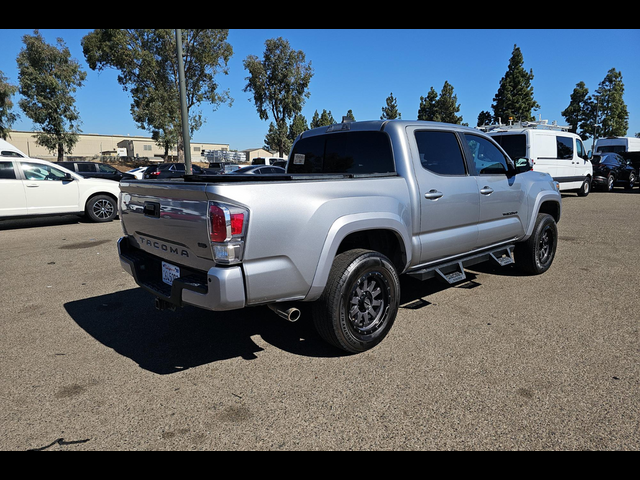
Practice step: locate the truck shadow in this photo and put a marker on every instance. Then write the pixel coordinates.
(166, 342)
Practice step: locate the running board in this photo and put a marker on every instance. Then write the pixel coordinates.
(453, 271)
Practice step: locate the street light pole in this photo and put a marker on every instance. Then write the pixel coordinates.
(183, 106)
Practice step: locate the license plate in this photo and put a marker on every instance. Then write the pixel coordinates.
(169, 273)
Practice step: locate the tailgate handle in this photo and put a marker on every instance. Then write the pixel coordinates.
(151, 209)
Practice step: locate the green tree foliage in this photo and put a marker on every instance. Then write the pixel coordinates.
(602, 115)
(514, 99)
(390, 111)
(279, 85)
(298, 125)
(579, 113)
(7, 117)
(427, 110)
(484, 118)
(323, 120)
(612, 110)
(350, 116)
(147, 62)
(48, 78)
(441, 108)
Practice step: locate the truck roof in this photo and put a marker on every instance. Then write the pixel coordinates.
(377, 125)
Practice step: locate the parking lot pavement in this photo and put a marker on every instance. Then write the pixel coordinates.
(499, 362)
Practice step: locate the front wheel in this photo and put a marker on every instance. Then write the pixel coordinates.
(536, 254)
(610, 181)
(101, 208)
(631, 182)
(360, 301)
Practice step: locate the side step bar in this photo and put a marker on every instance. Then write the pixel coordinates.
(453, 271)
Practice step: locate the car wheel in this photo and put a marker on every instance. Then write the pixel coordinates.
(631, 182)
(535, 255)
(610, 181)
(585, 188)
(360, 301)
(101, 208)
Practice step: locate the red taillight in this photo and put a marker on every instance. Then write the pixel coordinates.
(225, 224)
(237, 221)
(218, 224)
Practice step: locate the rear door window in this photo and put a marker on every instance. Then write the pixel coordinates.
(6, 171)
(343, 153)
(440, 152)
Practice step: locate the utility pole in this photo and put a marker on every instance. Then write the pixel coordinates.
(183, 106)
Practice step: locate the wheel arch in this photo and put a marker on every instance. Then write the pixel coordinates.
(381, 232)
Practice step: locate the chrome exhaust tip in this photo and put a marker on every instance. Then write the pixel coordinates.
(289, 313)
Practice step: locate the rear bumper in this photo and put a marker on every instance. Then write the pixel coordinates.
(220, 288)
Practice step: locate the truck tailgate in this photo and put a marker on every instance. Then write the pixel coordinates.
(168, 219)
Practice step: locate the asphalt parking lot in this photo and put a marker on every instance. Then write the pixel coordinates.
(500, 362)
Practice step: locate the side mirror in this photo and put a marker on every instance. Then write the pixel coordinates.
(523, 165)
(67, 177)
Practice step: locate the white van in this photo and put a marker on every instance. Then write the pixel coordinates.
(617, 144)
(553, 149)
(8, 150)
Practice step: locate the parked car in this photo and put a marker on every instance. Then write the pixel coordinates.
(610, 169)
(30, 187)
(258, 170)
(171, 170)
(95, 170)
(137, 172)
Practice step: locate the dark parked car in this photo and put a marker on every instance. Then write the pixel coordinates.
(171, 170)
(258, 170)
(610, 169)
(95, 170)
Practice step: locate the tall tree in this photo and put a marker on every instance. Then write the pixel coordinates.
(427, 110)
(148, 67)
(514, 99)
(611, 107)
(322, 120)
(390, 111)
(578, 114)
(279, 84)
(7, 117)
(298, 125)
(48, 78)
(484, 118)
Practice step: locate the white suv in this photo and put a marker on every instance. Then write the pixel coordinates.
(29, 186)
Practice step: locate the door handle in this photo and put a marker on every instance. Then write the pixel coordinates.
(433, 195)
(486, 190)
(32, 185)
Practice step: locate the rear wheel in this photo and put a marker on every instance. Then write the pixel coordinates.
(101, 208)
(536, 254)
(360, 301)
(631, 182)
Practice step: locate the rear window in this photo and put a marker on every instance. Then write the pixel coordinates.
(514, 145)
(344, 152)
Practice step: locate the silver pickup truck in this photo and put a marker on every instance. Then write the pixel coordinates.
(360, 203)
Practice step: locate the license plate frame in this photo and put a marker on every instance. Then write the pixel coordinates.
(169, 273)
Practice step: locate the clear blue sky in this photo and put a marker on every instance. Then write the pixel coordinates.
(358, 69)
